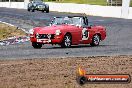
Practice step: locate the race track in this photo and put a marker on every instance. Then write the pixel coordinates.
(118, 42)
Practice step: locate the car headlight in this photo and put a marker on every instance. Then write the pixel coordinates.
(34, 4)
(37, 35)
(57, 32)
(31, 31)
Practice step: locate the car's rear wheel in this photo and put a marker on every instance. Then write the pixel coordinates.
(95, 40)
(67, 41)
(36, 45)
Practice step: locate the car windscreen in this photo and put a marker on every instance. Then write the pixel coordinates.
(66, 20)
(37, 1)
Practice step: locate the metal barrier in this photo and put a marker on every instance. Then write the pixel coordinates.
(95, 10)
(114, 2)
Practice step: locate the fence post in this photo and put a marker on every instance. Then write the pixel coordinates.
(9, 3)
(26, 3)
(125, 8)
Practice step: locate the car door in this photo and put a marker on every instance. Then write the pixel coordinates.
(84, 31)
(85, 34)
(76, 34)
(81, 35)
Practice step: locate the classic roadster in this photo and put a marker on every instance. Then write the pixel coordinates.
(67, 31)
(38, 5)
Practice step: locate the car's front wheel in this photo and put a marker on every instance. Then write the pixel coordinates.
(32, 10)
(28, 9)
(67, 41)
(43, 11)
(36, 45)
(95, 40)
(47, 11)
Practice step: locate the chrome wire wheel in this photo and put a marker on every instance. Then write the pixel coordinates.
(67, 41)
(95, 40)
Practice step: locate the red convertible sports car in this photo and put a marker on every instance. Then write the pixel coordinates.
(67, 31)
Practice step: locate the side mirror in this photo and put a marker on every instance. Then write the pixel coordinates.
(79, 26)
(90, 26)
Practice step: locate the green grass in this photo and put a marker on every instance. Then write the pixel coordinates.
(92, 2)
(9, 31)
(131, 3)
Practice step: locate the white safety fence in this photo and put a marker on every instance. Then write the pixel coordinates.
(107, 11)
(95, 10)
(130, 13)
(18, 5)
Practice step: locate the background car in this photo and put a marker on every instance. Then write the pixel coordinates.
(67, 31)
(38, 5)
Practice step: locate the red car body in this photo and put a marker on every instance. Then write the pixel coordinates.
(78, 35)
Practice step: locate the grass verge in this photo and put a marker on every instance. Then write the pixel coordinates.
(92, 2)
(7, 31)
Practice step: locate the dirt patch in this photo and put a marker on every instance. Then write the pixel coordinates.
(61, 72)
(7, 31)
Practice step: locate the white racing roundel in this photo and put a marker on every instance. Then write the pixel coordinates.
(85, 34)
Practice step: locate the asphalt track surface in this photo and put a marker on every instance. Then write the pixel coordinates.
(118, 41)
